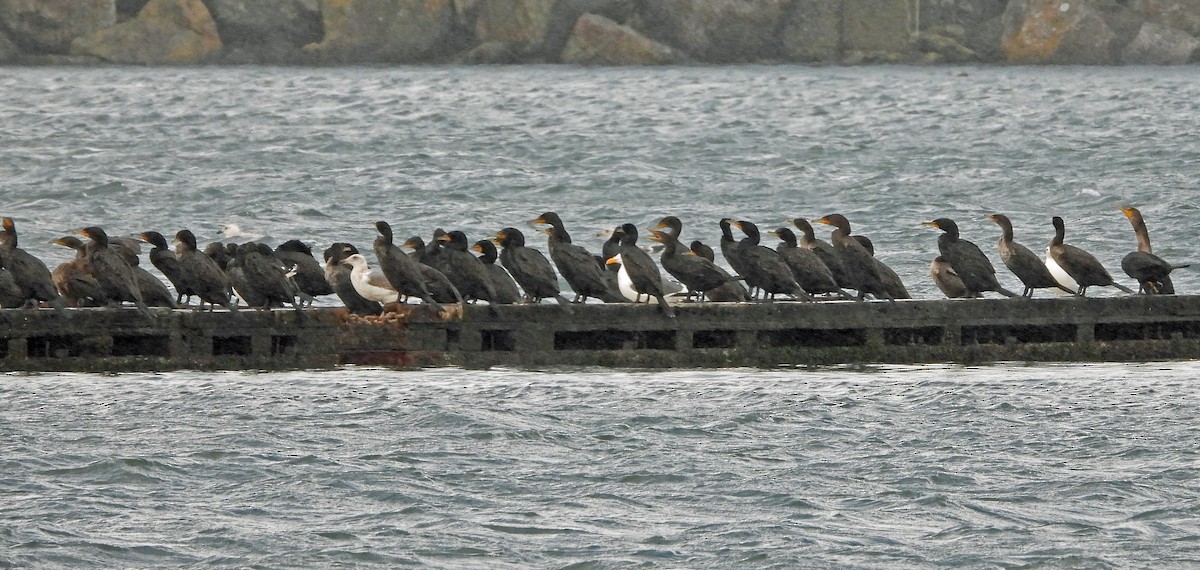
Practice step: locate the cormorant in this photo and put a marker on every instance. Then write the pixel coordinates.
(529, 268)
(732, 291)
(972, 266)
(576, 264)
(808, 239)
(947, 280)
(642, 271)
(729, 250)
(697, 273)
(892, 284)
(309, 276)
(74, 279)
(860, 265)
(29, 274)
(506, 289)
(112, 271)
(1080, 265)
(1022, 262)
(766, 269)
(466, 271)
(201, 274)
(1152, 273)
(403, 272)
(164, 260)
(807, 268)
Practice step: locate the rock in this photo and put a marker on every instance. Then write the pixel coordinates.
(1159, 45)
(984, 39)
(723, 31)
(1180, 14)
(266, 25)
(950, 50)
(600, 41)
(49, 26)
(519, 22)
(565, 13)
(1055, 31)
(811, 32)
(496, 53)
(9, 52)
(878, 25)
(164, 32)
(965, 13)
(396, 31)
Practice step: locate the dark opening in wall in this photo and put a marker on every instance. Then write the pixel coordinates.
(1147, 331)
(453, 338)
(284, 345)
(611, 339)
(232, 346)
(714, 339)
(1023, 334)
(51, 347)
(914, 335)
(497, 340)
(140, 345)
(813, 338)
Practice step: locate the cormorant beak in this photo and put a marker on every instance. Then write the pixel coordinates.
(444, 237)
(58, 241)
(538, 220)
(821, 221)
(774, 233)
(656, 235)
(931, 224)
(611, 261)
(736, 224)
(477, 248)
(1127, 211)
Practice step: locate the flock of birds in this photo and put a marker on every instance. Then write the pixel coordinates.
(106, 271)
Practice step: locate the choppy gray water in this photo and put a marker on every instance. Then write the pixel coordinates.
(888, 467)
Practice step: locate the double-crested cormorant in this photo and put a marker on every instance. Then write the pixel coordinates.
(202, 276)
(643, 273)
(729, 250)
(807, 268)
(861, 268)
(697, 273)
(506, 289)
(972, 266)
(808, 240)
(221, 254)
(309, 276)
(10, 293)
(1080, 265)
(338, 276)
(164, 260)
(112, 271)
(947, 280)
(892, 284)
(466, 272)
(370, 284)
(28, 273)
(1022, 262)
(698, 248)
(766, 269)
(402, 271)
(732, 291)
(74, 279)
(529, 268)
(576, 264)
(267, 276)
(1152, 273)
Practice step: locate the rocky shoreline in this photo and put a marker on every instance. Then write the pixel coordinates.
(598, 32)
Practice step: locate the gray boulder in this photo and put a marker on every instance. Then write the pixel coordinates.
(1056, 32)
(965, 13)
(9, 52)
(878, 25)
(723, 31)
(269, 28)
(565, 13)
(812, 32)
(521, 22)
(1160, 45)
(166, 32)
(394, 31)
(49, 26)
(597, 40)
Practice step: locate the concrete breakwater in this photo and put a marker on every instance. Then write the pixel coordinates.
(1133, 328)
(598, 32)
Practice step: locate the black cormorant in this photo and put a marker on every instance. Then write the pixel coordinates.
(969, 262)
(1022, 262)
(1080, 265)
(1152, 273)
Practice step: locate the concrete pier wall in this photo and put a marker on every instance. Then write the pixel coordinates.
(625, 335)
